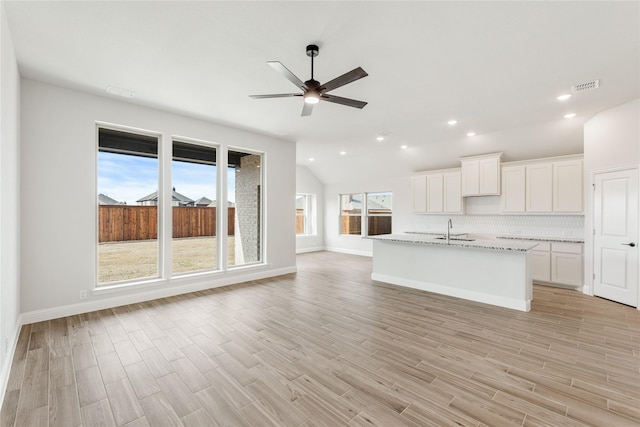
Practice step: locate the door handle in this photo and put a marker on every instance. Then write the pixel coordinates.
(629, 244)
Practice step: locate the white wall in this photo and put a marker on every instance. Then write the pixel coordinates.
(58, 171)
(308, 183)
(9, 201)
(611, 140)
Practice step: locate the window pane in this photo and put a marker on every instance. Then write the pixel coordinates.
(245, 196)
(127, 211)
(301, 213)
(379, 225)
(379, 213)
(193, 171)
(350, 214)
(379, 203)
(351, 204)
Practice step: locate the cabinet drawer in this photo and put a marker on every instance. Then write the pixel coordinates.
(567, 248)
(542, 246)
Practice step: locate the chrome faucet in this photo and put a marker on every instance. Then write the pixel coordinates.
(449, 227)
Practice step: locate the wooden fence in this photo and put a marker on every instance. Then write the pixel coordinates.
(377, 225)
(118, 223)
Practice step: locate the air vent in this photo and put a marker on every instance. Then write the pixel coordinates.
(583, 87)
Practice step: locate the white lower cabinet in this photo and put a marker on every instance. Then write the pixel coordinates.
(566, 263)
(541, 266)
(557, 263)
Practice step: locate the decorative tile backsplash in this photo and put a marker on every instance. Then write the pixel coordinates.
(512, 225)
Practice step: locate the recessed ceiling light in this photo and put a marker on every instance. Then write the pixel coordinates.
(343, 153)
(471, 134)
(452, 122)
(311, 159)
(563, 97)
(120, 92)
(404, 146)
(569, 116)
(380, 138)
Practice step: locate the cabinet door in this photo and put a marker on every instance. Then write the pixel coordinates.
(566, 268)
(540, 266)
(513, 186)
(539, 188)
(419, 193)
(489, 173)
(470, 177)
(434, 193)
(452, 183)
(567, 186)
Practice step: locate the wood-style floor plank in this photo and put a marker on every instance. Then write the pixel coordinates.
(329, 347)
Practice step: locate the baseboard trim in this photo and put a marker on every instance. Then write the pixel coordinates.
(5, 369)
(314, 249)
(454, 292)
(119, 300)
(350, 251)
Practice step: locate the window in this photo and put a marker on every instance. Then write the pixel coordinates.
(244, 195)
(351, 214)
(194, 208)
(305, 214)
(378, 213)
(128, 206)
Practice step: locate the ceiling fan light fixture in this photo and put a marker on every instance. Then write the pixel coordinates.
(311, 97)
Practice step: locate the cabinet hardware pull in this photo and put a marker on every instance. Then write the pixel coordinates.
(630, 244)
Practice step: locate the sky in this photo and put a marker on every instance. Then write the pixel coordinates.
(129, 178)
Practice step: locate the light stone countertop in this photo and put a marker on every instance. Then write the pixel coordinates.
(427, 239)
(544, 239)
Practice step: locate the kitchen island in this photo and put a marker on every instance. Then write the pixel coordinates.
(487, 271)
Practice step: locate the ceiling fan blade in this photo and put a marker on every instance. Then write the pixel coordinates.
(276, 65)
(349, 77)
(307, 109)
(344, 101)
(275, 95)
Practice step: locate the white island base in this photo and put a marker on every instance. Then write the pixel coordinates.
(498, 277)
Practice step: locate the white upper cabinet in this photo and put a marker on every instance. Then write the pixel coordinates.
(419, 193)
(434, 193)
(513, 189)
(437, 192)
(481, 175)
(567, 186)
(539, 187)
(452, 195)
(543, 187)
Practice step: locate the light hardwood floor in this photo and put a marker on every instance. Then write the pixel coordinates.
(329, 347)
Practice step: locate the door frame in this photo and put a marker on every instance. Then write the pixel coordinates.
(589, 284)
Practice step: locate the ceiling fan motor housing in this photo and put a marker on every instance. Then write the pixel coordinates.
(312, 50)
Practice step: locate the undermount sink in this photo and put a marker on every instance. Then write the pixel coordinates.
(462, 239)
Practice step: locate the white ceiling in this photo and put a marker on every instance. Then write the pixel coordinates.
(496, 67)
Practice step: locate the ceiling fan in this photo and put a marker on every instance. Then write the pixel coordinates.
(312, 90)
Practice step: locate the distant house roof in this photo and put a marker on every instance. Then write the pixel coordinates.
(103, 199)
(177, 197)
(203, 201)
(374, 202)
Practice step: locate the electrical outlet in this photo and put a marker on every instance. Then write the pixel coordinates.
(83, 294)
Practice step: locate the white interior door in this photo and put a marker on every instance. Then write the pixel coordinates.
(615, 245)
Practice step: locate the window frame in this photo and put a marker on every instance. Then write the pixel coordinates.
(164, 183)
(341, 215)
(310, 214)
(367, 214)
(262, 233)
(221, 220)
(142, 281)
